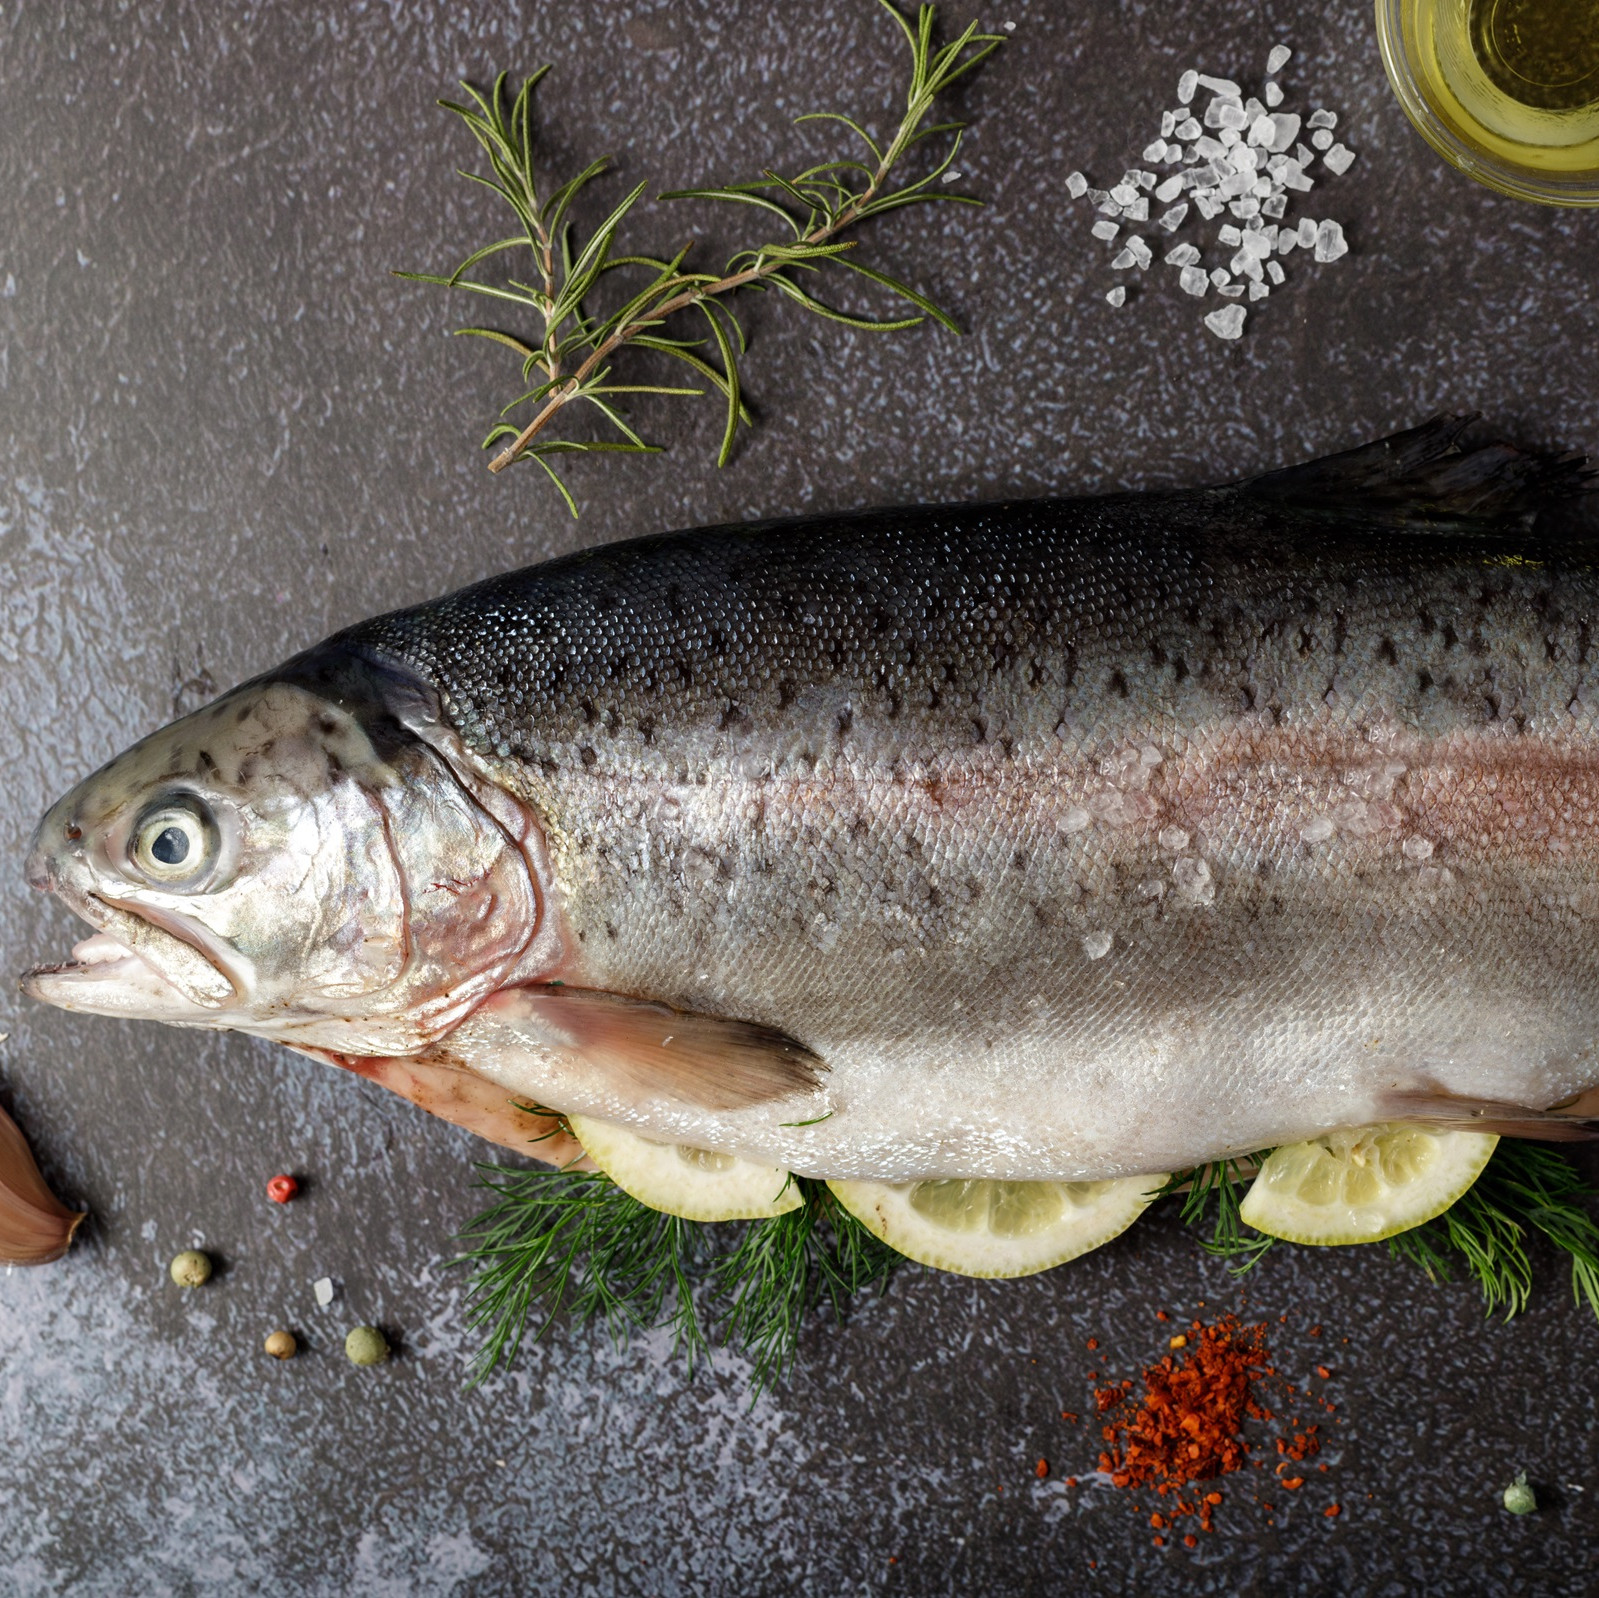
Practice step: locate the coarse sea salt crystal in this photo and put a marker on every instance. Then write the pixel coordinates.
(1171, 188)
(1228, 234)
(1231, 291)
(1258, 290)
(1287, 125)
(322, 1290)
(1275, 273)
(1186, 85)
(1220, 278)
(1155, 151)
(1263, 131)
(1123, 260)
(1117, 296)
(1257, 245)
(1287, 240)
(1124, 194)
(1141, 253)
(1098, 944)
(1307, 233)
(1279, 57)
(1323, 119)
(1192, 280)
(1274, 205)
(1182, 255)
(1168, 121)
(1274, 94)
(1321, 138)
(1076, 185)
(1138, 211)
(1246, 208)
(1228, 322)
(1188, 128)
(1338, 159)
(1330, 242)
(1173, 219)
(1105, 230)
(1224, 86)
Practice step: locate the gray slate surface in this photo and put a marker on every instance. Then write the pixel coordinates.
(225, 430)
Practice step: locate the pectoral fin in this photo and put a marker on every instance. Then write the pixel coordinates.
(654, 1051)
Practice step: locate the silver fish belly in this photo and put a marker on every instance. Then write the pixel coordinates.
(1068, 840)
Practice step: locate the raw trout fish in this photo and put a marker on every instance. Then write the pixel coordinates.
(1057, 840)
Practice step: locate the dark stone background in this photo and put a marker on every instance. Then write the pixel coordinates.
(226, 430)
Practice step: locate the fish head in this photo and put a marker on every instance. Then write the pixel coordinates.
(290, 863)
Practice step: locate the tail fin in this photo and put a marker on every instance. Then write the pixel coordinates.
(1426, 479)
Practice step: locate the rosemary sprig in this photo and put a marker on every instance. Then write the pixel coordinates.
(568, 362)
(570, 1239)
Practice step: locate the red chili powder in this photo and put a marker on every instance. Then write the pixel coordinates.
(1186, 1425)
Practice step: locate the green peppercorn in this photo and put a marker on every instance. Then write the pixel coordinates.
(190, 1268)
(366, 1345)
(1520, 1499)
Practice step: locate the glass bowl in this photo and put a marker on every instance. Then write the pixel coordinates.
(1528, 152)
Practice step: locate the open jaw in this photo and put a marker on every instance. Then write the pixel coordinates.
(131, 967)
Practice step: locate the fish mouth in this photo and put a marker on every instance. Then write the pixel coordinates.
(129, 966)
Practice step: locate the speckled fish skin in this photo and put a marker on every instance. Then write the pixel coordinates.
(1079, 838)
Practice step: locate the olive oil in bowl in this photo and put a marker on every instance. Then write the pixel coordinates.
(1507, 90)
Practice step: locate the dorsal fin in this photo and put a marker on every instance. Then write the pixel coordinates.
(1427, 479)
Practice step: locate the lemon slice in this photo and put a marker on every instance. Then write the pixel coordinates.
(698, 1184)
(976, 1228)
(1363, 1183)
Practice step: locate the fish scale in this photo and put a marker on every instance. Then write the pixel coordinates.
(1063, 839)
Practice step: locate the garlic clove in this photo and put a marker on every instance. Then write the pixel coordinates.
(35, 1226)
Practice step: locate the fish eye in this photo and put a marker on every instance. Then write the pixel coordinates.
(174, 842)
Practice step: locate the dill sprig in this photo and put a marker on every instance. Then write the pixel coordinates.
(574, 1240)
(1212, 1192)
(1525, 1188)
(569, 360)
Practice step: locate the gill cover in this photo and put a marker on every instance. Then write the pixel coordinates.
(291, 863)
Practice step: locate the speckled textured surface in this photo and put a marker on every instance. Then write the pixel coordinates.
(226, 430)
